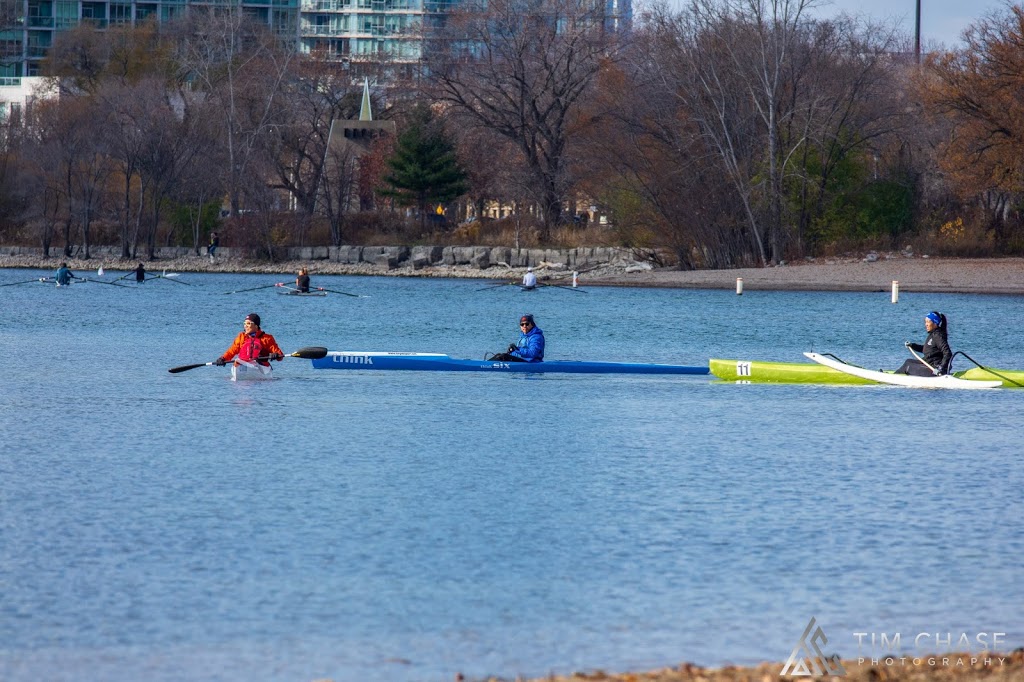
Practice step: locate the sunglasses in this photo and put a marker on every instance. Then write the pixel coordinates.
(524, 324)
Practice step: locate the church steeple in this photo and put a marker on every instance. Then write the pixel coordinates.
(364, 111)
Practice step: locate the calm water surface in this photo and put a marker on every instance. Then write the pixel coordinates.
(406, 525)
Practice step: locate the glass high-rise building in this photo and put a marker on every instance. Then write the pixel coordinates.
(348, 31)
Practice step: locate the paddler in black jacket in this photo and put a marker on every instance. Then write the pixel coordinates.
(935, 349)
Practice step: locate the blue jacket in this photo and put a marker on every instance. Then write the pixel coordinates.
(63, 276)
(530, 346)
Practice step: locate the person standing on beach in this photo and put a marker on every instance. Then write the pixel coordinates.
(935, 348)
(529, 279)
(63, 275)
(252, 345)
(140, 274)
(212, 248)
(302, 281)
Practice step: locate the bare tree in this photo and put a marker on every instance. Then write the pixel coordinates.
(521, 69)
(71, 151)
(238, 66)
(315, 93)
(337, 189)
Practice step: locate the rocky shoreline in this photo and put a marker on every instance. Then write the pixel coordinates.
(914, 274)
(962, 667)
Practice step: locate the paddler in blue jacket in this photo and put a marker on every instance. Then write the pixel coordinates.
(530, 347)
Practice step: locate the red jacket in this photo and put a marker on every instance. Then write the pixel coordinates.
(251, 347)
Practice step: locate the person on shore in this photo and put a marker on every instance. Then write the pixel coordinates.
(530, 347)
(530, 279)
(212, 248)
(63, 275)
(302, 281)
(252, 345)
(140, 274)
(935, 349)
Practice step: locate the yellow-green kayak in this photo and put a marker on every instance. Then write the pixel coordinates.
(781, 372)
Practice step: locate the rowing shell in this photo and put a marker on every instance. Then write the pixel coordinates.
(438, 362)
(302, 293)
(242, 370)
(903, 379)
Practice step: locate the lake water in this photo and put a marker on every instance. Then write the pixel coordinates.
(399, 526)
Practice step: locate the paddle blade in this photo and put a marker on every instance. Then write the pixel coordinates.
(310, 353)
(185, 368)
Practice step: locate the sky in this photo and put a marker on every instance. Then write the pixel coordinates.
(942, 21)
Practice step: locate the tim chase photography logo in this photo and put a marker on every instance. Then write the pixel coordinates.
(922, 649)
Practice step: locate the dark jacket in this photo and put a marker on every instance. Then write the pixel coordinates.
(936, 350)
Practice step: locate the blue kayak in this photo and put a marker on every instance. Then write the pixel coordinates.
(438, 362)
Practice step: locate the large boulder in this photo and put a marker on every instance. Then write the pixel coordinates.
(481, 258)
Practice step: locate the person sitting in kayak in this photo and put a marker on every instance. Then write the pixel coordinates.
(252, 345)
(530, 347)
(529, 279)
(935, 348)
(64, 275)
(302, 281)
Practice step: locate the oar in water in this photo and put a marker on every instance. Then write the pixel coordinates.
(343, 293)
(560, 286)
(27, 281)
(498, 286)
(308, 353)
(265, 286)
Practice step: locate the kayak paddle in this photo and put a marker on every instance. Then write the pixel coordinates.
(308, 353)
(265, 286)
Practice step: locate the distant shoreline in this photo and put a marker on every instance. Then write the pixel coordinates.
(915, 274)
(959, 667)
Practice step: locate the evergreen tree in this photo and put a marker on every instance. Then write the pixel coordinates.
(423, 169)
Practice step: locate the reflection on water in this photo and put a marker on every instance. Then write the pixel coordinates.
(405, 526)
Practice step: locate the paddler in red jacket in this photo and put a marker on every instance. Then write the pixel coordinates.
(252, 345)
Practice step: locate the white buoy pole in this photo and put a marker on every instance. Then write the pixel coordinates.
(575, 276)
(739, 286)
(895, 290)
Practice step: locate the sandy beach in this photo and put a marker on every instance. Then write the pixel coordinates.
(914, 274)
